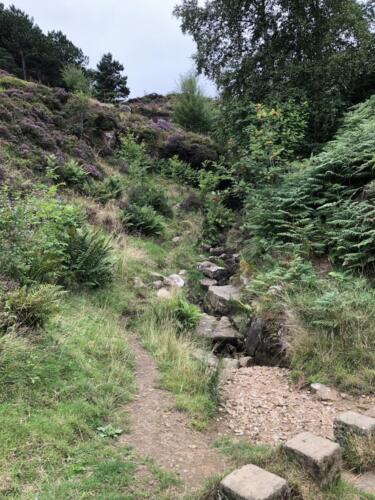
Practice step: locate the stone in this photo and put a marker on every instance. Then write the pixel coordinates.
(183, 272)
(157, 276)
(164, 294)
(174, 281)
(138, 283)
(158, 284)
(216, 250)
(212, 271)
(351, 422)
(207, 282)
(253, 483)
(176, 239)
(320, 457)
(370, 412)
(246, 361)
(366, 483)
(206, 358)
(230, 364)
(267, 341)
(215, 329)
(325, 393)
(220, 298)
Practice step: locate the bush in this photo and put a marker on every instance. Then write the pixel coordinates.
(147, 194)
(185, 316)
(135, 155)
(193, 111)
(103, 191)
(87, 259)
(144, 220)
(71, 173)
(75, 79)
(216, 222)
(179, 171)
(30, 307)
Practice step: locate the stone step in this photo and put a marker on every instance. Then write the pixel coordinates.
(253, 483)
(351, 422)
(212, 271)
(320, 457)
(220, 298)
(216, 329)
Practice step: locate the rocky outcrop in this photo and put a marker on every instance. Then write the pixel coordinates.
(267, 341)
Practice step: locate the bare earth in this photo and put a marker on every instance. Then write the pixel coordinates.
(261, 404)
(161, 432)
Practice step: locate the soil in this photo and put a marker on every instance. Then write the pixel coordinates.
(159, 431)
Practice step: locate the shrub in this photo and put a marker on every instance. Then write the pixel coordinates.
(147, 194)
(179, 171)
(87, 259)
(216, 222)
(71, 173)
(75, 79)
(135, 155)
(143, 219)
(103, 191)
(30, 307)
(184, 314)
(193, 111)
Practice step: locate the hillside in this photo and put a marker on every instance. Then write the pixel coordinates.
(154, 289)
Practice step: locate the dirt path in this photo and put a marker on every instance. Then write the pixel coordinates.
(161, 432)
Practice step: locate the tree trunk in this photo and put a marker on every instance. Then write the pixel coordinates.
(23, 65)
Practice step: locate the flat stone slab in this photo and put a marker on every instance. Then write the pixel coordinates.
(174, 281)
(212, 270)
(320, 457)
(370, 412)
(220, 298)
(351, 422)
(207, 282)
(325, 393)
(216, 329)
(253, 483)
(366, 483)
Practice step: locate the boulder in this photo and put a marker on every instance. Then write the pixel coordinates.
(266, 341)
(174, 281)
(366, 483)
(157, 284)
(320, 457)
(325, 393)
(351, 422)
(216, 329)
(207, 282)
(212, 271)
(220, 299)
(253, 483)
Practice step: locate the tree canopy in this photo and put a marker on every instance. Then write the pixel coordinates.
(320, 51)
(110, 84)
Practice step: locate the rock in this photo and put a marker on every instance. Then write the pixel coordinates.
(216, 250)
(138, 283)
(266, 341)
(325, 393)
(351, 422)
(157, 285)
(206, 358)
(246, 361)
(370, 412)
(320, 457)
(174, 281)
(212, 271)
(177, 239)
(215, 329)
(164, 294)
(253, 483)
(220, 298)
(207, 282)
(366, 483)
(183, 272)
(230, 364)
(156, 275)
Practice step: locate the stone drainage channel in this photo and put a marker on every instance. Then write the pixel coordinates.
(246, 358)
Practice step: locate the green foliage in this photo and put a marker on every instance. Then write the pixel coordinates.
(143, 219)
(358, 452)
(75, 79)
(134, 153)
(193, 111)
(110, 188)
(217, 221)
(108, 431)
(110, 85)
(179, 171)
(29, 307)
(88, 259)
(249, 50)
(71, 173)
(185, 315)
(148, 194)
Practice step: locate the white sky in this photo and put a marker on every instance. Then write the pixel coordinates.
(142, 34)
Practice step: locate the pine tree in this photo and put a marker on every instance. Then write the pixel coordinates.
(110, 84)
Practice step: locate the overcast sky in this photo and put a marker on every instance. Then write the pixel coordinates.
(142, 34)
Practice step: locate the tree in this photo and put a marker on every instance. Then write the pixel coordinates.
(192, 110)
(110, 84)
(320, 51)
(75, 79)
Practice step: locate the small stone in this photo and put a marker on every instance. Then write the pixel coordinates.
(351, 422)
(164, 294)
(157, 285)
(370, 412)
(207, 282)
(183, 272)
(366, 483)
(320, 457)
(212, 271)
(230, 364)
(246, 361)
(156, 275)
(174, 281)
(325, 393)
(176, 239)
(253, 483)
